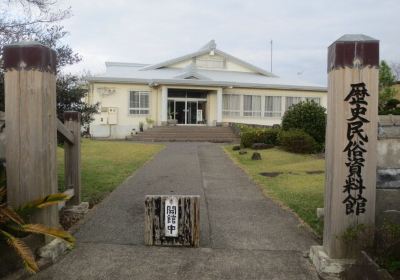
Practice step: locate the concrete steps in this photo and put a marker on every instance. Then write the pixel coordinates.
(187, 134)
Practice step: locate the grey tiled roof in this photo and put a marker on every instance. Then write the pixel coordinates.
(160, 73)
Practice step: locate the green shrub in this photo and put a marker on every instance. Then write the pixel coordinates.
(297, 141)
(392, 104)
(249, 136)
(308, 116)
(390, 112)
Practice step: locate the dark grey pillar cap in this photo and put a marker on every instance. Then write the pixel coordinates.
(349, 47)
(29, 56)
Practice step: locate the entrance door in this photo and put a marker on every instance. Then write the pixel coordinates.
(191, 112)
(180, 112)
(187, 111)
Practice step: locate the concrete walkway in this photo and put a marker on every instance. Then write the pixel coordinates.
(243, 234)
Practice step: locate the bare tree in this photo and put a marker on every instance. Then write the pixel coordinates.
(37, 20)
(25, 19)
(396, 69)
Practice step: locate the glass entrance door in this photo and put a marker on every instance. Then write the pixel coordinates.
(180, 112)
(185, 111)
(191, 112)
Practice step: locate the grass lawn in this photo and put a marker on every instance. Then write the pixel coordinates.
(301, 192)
(106, 164)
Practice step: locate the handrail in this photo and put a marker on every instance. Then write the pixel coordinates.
(65, 132)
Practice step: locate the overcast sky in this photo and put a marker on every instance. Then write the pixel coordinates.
(150, 31)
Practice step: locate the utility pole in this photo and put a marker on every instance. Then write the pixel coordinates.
(271, 55)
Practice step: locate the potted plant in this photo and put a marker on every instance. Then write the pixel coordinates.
(150, 122)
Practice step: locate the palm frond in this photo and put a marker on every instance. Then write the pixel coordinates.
(53, 199)
(3, 192)
(22, 250)
(6, 213)
(3, 219)
(49, 200)
(41, 229)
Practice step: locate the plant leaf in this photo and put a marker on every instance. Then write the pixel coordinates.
(9, 213)
(53, 199)
(49, 200)
(3, 192)
(22, 250)
(41, 229)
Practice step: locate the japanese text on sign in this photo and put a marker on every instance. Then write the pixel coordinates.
(171, 217)
(355, 150)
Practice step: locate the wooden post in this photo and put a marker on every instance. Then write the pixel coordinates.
(351, 153)
(31, 133)
(353, 62)
(187, 226)
(72, 159)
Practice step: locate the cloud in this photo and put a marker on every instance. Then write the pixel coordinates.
(150, 31)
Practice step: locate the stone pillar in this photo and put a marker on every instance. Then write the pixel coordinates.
(351, 141)
(164, 105)
(31, 129)
(219, 107)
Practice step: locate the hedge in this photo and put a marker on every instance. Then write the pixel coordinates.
(297, 141)
(249, 136)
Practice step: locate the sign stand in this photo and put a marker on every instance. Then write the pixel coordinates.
(172, 220)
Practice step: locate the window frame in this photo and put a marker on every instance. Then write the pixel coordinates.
(141, 111)
(252, 113)
(231, 112)
(301, 98)
(273, 113)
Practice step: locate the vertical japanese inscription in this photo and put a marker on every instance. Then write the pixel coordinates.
(355, 149)
(171, 217)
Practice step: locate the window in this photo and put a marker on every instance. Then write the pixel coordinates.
(315, 99)
(272, 106)
(292, 101)
(138, 103)
(231, 105)
(252, 106)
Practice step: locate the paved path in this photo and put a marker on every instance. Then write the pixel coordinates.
(243, 234)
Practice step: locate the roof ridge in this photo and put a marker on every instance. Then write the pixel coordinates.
(204, 51)
(211, 45)
(127, 64)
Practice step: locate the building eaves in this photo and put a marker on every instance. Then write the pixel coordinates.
(189, 74)
(245, 64)
(193, 82)
(174, 60)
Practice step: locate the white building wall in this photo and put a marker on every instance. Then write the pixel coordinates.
(231, 66)
(126, 123)
(211, 105)
(228, 65)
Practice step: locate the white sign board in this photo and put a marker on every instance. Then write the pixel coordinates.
(199, 115)
(171, 216)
